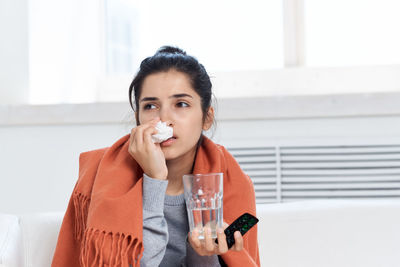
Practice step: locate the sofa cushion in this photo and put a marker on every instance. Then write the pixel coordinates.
(10, 241)
(40, 233)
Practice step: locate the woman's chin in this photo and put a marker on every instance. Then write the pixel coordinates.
(167, 153)
(170, 154)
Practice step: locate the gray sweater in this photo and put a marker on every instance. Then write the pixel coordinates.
(165, 228)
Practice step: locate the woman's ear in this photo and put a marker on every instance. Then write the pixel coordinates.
(209, 119)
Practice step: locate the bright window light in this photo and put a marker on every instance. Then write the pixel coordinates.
(222, 35)
(352, 32)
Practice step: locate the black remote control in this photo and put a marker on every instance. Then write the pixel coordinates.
(242, 224)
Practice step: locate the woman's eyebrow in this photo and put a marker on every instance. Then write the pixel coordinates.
(173, 96)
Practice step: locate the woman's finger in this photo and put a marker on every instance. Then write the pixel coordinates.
(238, 241)
(208, 240)
(138, 138)
(132, 144)
(194, 239)
(133, 131)
(222, 245)
(140, 132)
(148, 133)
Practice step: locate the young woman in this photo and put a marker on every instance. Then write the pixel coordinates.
(128, 207)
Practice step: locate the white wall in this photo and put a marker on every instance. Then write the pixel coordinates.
(40, 146)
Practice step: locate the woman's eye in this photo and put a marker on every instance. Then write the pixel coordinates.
(182, 104)
(148, 106)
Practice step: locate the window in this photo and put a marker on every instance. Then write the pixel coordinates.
(121, 38)
(91, 50)
(351, 32)
(65, 51)
(223, 35)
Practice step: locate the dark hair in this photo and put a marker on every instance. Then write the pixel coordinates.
(165, 59)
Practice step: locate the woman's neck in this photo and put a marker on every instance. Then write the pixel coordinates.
(176, 169)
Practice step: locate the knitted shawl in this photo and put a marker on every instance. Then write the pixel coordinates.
(103, 223)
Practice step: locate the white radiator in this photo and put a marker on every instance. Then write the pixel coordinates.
(290, 173)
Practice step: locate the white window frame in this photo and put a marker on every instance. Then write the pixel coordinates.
(295, 78)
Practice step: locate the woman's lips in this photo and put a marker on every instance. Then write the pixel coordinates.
(168, 142)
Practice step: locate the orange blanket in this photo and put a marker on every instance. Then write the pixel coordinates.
(103, 224)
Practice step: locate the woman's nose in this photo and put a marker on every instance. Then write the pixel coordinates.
(166, 116)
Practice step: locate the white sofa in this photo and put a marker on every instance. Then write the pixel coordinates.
(28, 240)
(330, 233)
(323, 233)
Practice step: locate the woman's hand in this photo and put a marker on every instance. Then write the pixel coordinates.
(208, 247)
(146, 153)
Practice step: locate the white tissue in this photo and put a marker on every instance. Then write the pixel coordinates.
(164, 132)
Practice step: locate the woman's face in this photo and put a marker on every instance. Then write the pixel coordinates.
(170, 96)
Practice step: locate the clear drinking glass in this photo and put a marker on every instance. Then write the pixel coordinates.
(203, 196)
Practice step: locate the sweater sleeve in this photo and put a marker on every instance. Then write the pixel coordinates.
(155, 229)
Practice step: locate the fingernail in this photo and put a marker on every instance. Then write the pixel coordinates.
(220, 231)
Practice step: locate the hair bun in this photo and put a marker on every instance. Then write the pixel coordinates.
(171, 50)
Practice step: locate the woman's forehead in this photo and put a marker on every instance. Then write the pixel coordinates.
(167, 84)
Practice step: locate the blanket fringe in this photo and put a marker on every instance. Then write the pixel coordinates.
(122, 250)
(81, 205)
(94, 254)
